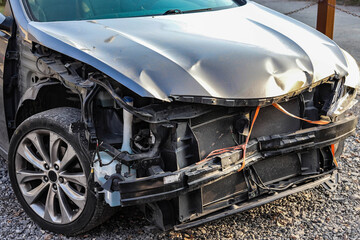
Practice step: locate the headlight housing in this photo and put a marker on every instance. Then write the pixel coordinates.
(346, 93)
(344, 101)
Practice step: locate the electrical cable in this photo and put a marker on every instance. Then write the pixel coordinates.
(244, 146)
(230, 149)
(281, 109)
(263, 186)
(319, 122)
(333, 153)
(248, 138)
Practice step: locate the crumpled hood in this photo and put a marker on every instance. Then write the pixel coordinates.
(247, 52)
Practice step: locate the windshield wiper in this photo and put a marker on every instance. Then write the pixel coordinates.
(198, 10)
(173, 11)
(178, 11)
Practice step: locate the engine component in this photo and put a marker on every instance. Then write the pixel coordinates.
(104, 167)
(128, 118)
(143, 141)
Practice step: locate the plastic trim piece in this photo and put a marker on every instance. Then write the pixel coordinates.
(153, 188)
(249, 102)
(252, 204)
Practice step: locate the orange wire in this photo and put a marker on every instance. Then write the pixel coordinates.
(248, 138)
(333, 153)
(280, 108)
(244, 146)
(320, 122)
(229, 149)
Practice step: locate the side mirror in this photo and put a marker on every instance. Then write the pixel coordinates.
(5, 23)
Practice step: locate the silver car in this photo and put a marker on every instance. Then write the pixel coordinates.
(190, 109)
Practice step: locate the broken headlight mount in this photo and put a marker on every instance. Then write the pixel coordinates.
(334, 98)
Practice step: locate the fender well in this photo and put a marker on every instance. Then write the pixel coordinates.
(43, 97)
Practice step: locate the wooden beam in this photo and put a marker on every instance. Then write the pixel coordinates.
(326, 17)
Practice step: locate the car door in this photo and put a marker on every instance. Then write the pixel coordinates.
(4, 40)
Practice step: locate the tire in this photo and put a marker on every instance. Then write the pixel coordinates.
(49, 173)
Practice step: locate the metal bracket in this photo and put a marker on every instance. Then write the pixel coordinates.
(333, 182)
(12, 55)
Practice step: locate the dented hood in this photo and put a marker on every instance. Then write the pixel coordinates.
(246, 52)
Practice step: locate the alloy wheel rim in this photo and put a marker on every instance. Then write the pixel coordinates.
(51, 177)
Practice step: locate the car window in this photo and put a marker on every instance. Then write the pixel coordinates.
(65, 10)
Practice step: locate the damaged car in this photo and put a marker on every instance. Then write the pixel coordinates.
(190, 110)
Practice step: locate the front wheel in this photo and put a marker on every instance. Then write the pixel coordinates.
(49, 173)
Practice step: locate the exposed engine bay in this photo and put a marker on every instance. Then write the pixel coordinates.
(194, 159)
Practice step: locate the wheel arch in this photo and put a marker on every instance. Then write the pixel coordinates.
(43, 97)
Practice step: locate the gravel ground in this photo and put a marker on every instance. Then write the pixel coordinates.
(313, 214)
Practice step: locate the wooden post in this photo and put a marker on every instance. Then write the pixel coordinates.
(326, 17)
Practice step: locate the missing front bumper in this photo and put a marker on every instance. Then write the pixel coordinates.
(173, 184)
(281, 164)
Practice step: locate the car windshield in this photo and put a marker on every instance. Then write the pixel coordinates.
(69, 10)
